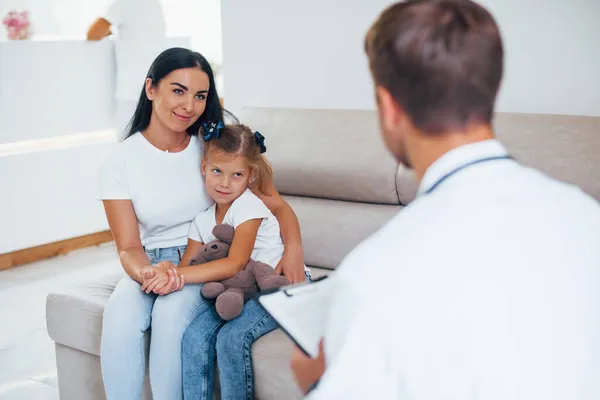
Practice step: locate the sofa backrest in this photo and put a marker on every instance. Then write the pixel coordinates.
(331, 154)
(333, 168)
(564, 147)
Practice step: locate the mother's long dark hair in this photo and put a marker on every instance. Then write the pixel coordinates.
(167, 62)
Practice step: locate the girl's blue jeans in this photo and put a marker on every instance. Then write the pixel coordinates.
(209, 337)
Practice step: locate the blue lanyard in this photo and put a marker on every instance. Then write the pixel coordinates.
(454, 171)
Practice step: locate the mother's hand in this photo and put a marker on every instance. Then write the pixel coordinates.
(292, 265)
(169, 280)
(176, 282)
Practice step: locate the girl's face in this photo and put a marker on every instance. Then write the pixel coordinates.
(226, 176)
(179, 99)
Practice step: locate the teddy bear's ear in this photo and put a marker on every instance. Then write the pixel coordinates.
(224, 233)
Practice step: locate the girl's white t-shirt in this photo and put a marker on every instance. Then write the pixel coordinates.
(268, 247)
(166, 189)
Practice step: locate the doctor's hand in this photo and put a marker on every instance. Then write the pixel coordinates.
(307, 370)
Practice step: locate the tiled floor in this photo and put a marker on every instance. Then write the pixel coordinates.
(27, 366)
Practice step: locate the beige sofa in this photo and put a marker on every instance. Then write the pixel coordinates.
(335, 172)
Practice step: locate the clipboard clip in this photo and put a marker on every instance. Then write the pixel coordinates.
(302, 288)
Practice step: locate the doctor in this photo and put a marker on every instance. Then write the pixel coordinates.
(141, 37)
(485, 287)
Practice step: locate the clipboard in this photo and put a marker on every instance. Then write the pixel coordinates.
(301, 311)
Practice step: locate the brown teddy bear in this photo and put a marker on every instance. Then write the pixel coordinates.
(232, 293)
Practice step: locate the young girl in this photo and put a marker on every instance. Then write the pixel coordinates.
(233, 167)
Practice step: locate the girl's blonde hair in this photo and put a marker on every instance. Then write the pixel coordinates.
(240, 140)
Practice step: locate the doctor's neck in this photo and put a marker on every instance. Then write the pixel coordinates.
(425, 149)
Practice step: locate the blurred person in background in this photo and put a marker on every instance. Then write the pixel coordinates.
(140, 37)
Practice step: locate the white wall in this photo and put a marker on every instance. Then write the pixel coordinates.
(309, 54)
(58, 87)
(40, 14)
(198, 19)
(53, 88)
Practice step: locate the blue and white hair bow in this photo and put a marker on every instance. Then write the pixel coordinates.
(211, 130)
(260, 141)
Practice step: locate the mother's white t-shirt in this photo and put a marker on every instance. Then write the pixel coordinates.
(166, 189)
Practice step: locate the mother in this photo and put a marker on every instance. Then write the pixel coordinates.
(151, 188)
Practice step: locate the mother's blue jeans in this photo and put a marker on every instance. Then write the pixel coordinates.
(128, 314)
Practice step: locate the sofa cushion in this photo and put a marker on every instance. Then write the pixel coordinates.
(272, 374)
(333, 154)
(406, 185)
(74, 317)
(331, 229)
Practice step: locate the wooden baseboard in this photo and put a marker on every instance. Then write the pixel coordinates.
(42, 252)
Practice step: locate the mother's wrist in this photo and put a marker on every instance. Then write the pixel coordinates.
(143, 268)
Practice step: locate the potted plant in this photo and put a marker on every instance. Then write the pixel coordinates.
(17, 25)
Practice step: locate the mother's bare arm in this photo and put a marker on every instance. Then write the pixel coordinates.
(288, 221)
(124, 227)
(292, 263)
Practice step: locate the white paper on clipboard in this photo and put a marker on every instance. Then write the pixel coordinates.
(302, 312)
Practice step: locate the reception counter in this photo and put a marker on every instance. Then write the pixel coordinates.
(57, 86)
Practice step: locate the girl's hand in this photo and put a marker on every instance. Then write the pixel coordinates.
(165, 264)
(176, 282)
(292, 265)
(157, 282)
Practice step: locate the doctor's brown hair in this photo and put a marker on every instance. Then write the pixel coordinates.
(441, 60)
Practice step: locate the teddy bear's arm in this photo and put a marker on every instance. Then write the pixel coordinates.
(239, 255)
(192, 249)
